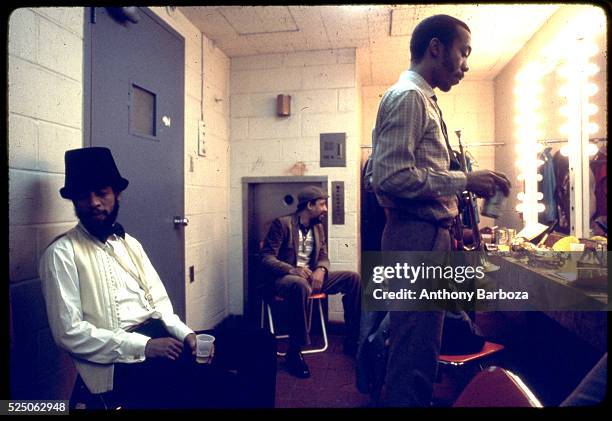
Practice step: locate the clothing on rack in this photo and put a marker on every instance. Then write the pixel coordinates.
(548, 186)
(562, 192)
(599, 167)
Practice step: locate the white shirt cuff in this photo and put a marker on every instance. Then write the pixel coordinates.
(135, 347)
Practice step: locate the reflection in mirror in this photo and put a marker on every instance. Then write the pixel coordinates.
(560, 101)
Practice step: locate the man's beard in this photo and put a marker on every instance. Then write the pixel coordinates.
(102, 229)
(316, 220)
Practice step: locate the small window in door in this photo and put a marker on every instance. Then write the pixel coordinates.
(143, 111)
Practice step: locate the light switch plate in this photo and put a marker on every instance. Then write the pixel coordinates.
(332, 149)
(201, 138)
(337, 197)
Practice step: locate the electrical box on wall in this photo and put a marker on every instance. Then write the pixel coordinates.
(337, 196)
(333, 149)
(201, 138)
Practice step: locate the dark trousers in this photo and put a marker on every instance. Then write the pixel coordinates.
(295, 290)
(241, 375)
(415, 336)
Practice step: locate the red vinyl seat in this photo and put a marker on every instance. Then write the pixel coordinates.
(497, 387)
(488, 349)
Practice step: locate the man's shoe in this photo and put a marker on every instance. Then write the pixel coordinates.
(297, 366)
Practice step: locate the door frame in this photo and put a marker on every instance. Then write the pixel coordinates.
(249, 309)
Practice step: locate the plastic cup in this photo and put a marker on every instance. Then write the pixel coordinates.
(204, 348)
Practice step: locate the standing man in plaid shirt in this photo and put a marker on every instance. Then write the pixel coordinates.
(416, 180)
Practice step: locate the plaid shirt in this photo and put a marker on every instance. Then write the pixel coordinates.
(409, 166)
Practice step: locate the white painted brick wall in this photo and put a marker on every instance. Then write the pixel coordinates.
(44, 119)
(22, 36)
(264, 61)
(311, 58)
(23, 147)
(275, 80)
(63, 51)
(316, 102)
(273, 127)
(53, 140)
(44, 95)
(329, 76)
(323, 87)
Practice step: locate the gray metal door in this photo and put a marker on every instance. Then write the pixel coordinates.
(267, 198)
(135, 106)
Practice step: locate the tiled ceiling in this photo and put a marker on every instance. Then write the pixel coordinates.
(380, 32)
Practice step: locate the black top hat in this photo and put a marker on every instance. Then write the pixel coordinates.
(89, 169)
(309, 193)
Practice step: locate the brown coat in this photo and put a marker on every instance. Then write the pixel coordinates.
(279, 251)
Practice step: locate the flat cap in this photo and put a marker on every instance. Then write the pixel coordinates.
(309, 193)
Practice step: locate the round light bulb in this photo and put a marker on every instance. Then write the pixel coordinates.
(591, 89)
(564, 150)
(593, 128)
(591, 69)
(564, 71)
(592, 109)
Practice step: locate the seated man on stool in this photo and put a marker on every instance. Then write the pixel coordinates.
(108, 308)
(296, 265)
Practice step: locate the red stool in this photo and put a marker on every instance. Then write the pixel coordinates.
(266, 308)
(497, 387)
(488, 349)
(455, 371)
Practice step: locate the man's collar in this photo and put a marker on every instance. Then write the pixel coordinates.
(419, 81)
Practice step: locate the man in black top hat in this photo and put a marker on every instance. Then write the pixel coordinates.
(108, 308)
(295, 265)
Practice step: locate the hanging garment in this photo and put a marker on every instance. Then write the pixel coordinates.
(547, 186)
(599, 167)
(562, 191)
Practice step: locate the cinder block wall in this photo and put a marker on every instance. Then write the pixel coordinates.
(45, 114)
(324, 99)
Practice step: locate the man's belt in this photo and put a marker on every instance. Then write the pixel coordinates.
(396, 213)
